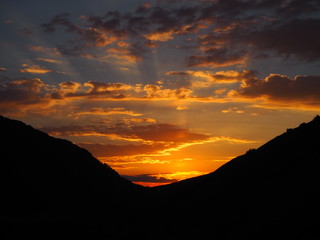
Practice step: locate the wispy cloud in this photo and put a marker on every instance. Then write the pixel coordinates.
(34, 69)
(106, 111)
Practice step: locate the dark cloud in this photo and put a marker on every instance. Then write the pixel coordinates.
(168, 133)
(229, 32)
(298, 38)
(60, 20)
(26, 31)
(144, 139)
(112, 150)
(217, 57)
(295, 8)
(275, 87)
(17, 96)
(159, 132)
(22, 91)
(149, 178)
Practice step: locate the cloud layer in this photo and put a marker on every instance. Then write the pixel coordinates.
(218, 33)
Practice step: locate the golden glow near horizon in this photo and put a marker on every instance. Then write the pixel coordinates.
(164, 90)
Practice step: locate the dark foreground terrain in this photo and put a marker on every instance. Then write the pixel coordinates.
(53, 189)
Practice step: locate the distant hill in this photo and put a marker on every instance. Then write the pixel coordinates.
(53, 189)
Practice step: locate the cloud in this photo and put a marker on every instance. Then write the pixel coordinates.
(89, 36)
(162, 178)
(65, 89)
(137, 141)
(91, 89)
(48, 60)
(227, 33)
(107, 111)
(23, 91)
(141, 120)
(98, 87)
(180, 108)
(297, 37)
(217, 57)
(60, 19)
(147, 178)
(34, 69)
(232, 76)
(28, 91)
(138, 144)
(42, 49)
(281, 88)
(209, 77)
(112, 150)
(152, 133)
(17, 96)
(155, 91)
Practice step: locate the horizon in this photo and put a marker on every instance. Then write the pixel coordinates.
(161, 90)
(145, 184)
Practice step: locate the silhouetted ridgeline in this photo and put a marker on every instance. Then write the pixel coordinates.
(50, 181)
(53, 188)
(272, 192)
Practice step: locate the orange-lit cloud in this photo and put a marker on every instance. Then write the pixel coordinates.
(160, 36)
(42, 49)
(123, 54)
(140, 144)
(110, 151)
(98, 87)
(203, 79)
(180, 108)
(107, 111)
(155, 91)
(34, 69)
(140, 120)
(48, 60)
(152, 133)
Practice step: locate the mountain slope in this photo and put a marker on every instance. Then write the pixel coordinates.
(55, 189)
(270, 192)
(44, 179)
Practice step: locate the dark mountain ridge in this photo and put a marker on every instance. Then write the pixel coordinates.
(53, 185)
(46, 180)
(269, 192)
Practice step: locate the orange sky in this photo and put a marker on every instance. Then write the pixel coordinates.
(164, 90)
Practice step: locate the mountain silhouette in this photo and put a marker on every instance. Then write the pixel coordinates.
(269, 192)
(46, 181)
(53, 189)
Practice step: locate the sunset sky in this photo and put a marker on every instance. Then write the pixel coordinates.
(161, 90)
